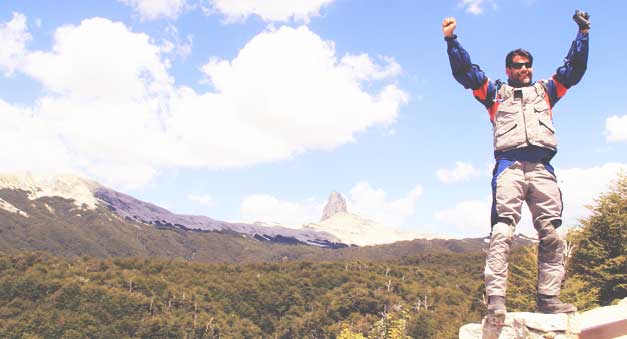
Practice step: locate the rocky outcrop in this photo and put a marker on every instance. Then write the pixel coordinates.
(525, 325)
(336, 204)
(354, 229)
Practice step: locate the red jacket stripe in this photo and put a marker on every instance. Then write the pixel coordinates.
(492, 111)
(561, 89)
(548, 102)
(482, 92)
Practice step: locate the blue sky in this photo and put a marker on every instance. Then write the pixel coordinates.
(256, 110)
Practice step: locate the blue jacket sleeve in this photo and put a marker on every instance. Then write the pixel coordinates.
(572, 71)
(468, 74)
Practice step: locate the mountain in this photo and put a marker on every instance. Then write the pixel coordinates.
(335, 204)
(71, 216)
(356, 230)
(130, 208)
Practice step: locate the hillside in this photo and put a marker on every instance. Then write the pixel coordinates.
(47, 297)
(71, 216)
(57, 225)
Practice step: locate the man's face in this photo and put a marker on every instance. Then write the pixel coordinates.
(519, 72)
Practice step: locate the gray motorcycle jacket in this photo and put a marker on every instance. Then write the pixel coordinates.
(523, 118)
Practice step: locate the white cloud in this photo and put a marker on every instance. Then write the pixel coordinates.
(174, 44)
(373, 204)
(616, 128)
(110, 109)
(363, 200)
(362, 67)
(100, 59)
(579, 188)
(270, 10)
(473, 6)
(472, 217)
(14, 36)
(461, 172)
(202, 199)
(30, 144)
(268, 209)
(106, 88)
(155, 9)
(284, 93)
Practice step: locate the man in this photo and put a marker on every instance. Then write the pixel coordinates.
(524, 143)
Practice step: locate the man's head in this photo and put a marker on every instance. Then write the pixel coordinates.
(518, 66)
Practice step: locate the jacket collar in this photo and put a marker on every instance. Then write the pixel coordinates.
(516, 84)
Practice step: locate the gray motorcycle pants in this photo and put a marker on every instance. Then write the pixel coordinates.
(515, 182)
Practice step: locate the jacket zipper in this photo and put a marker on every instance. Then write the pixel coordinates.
(522, 104)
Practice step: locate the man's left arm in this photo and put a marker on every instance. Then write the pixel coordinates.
(575, 63)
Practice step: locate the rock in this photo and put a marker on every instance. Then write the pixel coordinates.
(336, 204)
(525, 325)
(605, 314)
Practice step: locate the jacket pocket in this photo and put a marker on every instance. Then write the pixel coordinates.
(541, 107)
(506, 115)
(550, 128)
(503, 130)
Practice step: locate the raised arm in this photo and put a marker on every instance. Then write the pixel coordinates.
(464, 71)
(575, 63)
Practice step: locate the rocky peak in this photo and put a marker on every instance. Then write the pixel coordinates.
(336, 204)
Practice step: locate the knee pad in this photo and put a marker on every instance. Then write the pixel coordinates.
(551, 248)
(556, 223)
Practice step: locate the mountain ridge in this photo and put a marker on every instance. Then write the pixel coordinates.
(87, 194)
(38, 220)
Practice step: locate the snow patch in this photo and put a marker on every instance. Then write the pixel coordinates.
(50, 209)
(353, 229)
(8, 207)
(39, 185)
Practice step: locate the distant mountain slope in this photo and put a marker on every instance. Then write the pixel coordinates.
(61, 218)
(56, 225)
(354, 229)
(86, 195)
(130, 208)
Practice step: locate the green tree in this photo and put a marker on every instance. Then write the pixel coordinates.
(599, 261)
(392, 325)
(521, 288)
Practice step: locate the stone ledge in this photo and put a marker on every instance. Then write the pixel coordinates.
(526, 325)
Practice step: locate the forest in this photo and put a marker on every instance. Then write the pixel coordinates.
(423, 296)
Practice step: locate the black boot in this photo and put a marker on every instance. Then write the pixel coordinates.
(552, 304)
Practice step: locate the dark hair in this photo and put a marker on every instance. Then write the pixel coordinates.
(509, 59)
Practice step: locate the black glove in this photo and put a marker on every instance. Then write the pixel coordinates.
(582, 19)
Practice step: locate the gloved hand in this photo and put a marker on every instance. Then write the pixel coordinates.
(582, 19)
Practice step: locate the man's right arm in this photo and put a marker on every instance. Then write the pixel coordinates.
(464, 71)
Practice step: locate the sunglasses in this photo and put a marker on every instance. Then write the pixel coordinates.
(519, 65)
